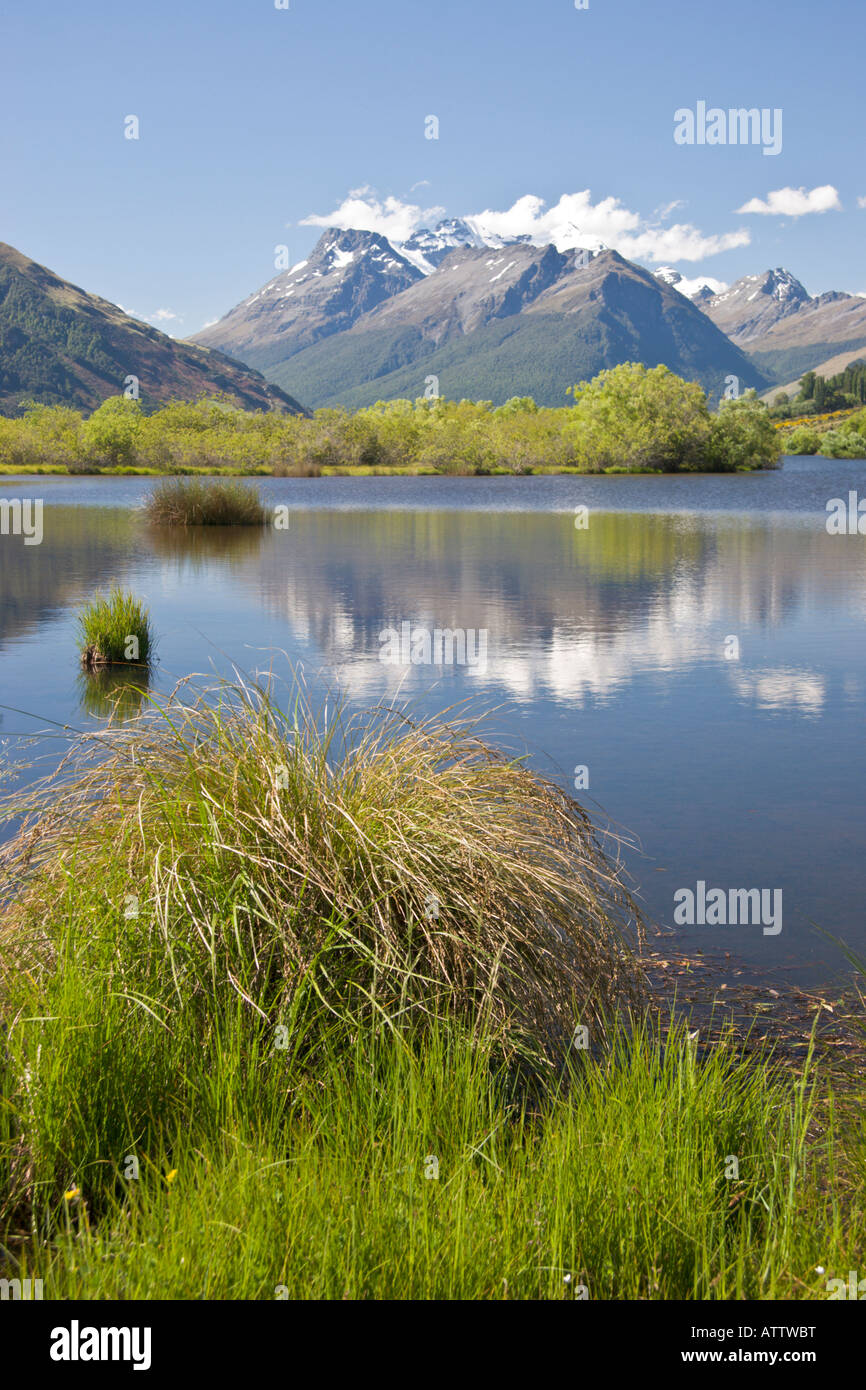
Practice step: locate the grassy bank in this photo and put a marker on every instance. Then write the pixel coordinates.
(358, 471)
(62, 470)
(290, 1007)
(390, 1173)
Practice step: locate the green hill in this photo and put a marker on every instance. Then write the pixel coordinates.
(61, 345)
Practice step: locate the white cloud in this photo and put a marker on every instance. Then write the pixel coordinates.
(861, 202)
(671, 276)
(575, 221)
(681, 242)
(795, 202)
(690, 287)
(781, 688)
(364, 212)
(161, 315)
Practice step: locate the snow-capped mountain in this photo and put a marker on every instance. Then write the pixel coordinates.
(494, 322)
(346, 274)
(490, 317)
(668, 274)
(753, 305)
(785, 330)
(427, 248)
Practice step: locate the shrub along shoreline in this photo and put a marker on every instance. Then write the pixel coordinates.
(840, 434)
(627, 419)
(293, 1006)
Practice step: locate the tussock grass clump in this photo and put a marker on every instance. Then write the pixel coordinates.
(115, 629)
(196, 502)
(372, 871)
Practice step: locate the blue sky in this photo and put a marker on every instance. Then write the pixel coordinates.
(253, 119)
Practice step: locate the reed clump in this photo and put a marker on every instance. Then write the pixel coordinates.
(114, 629)
(200, 502)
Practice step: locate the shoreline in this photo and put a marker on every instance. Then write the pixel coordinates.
(721, 994)
(361, 471)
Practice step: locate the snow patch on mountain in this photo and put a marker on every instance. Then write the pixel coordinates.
(427, 247)
(339, 258)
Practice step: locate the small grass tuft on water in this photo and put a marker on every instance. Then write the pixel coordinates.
(114, 629)
(196, 502)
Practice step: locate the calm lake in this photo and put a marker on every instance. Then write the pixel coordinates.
(740, 764)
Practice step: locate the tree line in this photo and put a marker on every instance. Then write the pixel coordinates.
(628, 419)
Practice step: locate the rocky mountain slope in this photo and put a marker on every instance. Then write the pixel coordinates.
(755, 304)
(784, 330)
(524, 320)
(346, 275)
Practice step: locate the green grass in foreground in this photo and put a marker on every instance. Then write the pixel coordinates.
(196, 502)
(115, 630)
(270, 1179)
(221, 962)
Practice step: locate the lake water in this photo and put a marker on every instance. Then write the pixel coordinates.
(607, 647)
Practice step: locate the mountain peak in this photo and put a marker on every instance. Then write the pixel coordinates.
(754, 304)
(426, 248)
(340, 245)
(782, 285)
(668, 274)
(778, 284)
(347, 273)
